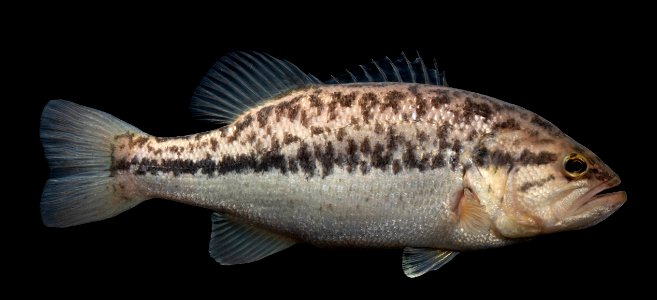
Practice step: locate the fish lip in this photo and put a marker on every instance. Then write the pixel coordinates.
(596, 195)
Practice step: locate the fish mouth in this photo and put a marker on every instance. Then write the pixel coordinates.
(596, 198)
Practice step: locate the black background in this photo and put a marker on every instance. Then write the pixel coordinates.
(580, 70)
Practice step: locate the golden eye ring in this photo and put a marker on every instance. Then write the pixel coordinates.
(575, 165)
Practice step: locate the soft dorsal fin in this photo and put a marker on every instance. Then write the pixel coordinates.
(417, 261)
(242, 80)
(399, 70)
(232, 242)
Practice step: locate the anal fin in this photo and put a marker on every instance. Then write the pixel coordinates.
(417, 261)
(232, 242)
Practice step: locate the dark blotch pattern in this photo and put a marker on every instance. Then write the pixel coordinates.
(332, 114)
(456, 154)
(443, 131)
(484, 157)
(421, 105)
(528, 185)
(380, 159)
(289, 138)
(473, 108)
(511, 124)
(364, 168)
(396, 166)
(119, 165)
(542, 158)
(480, 156)
(292, 165)
(501, 158)
(207, 165)
(393, 140)
(272, 159)
(438, 161)
(352, 155)
(411, 161)
(391, 100)
(442, 97)
(421, 136)
(366, 102)
(268, 161)
(316, 130)
(304, 119)
(344, 100)
(288, 109)
(263, 115)
(236, 164)
(251, 137)
(140, 141)
(315, 101)
(241, 125)
(293, 111)
(305, 158)
(326, 158)
(213, 144)
(365, 146)
(378, 128)
(340, 135)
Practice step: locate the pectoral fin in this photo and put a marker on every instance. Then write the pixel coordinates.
(472, 215)
(417, 261)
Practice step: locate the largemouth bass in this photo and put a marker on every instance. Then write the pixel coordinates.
(386, 156)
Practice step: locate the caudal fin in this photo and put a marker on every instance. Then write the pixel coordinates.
(77, 141)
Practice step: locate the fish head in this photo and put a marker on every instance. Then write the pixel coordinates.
(549, 183)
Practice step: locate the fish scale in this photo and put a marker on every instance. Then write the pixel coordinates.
(411, 164)
(414, 142)
(391, 208)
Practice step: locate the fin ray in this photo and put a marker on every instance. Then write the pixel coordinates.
(418, 261)
(77, 141)
(271, 84)
(472, 215)
(395, 71)
(232, 242)
(410, 68)
(388, 70)
(244, 80)
(261, 91)
(241, 80)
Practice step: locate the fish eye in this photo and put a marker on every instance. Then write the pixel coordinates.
(575, 165)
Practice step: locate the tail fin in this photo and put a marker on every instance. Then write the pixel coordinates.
(78, 145)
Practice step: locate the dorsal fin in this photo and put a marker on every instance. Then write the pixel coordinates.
(387, 70)
(242, 80)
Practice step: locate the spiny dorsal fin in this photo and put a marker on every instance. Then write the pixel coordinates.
(242, 80)
(232, 242)
(387, 70)
(417, 261)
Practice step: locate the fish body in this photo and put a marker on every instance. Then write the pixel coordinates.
(409, 164)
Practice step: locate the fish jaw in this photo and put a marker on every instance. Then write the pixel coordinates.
(591, 208)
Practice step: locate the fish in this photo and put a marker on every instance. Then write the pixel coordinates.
(386, 155)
